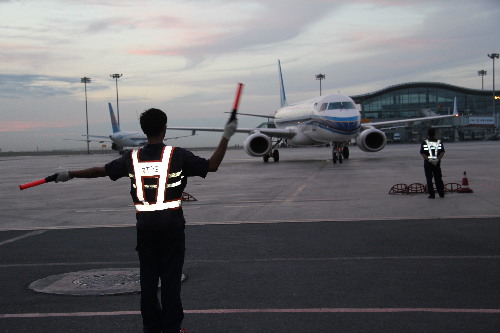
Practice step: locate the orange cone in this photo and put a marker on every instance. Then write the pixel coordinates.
(465, 185)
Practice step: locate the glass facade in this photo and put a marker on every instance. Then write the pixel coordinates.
(419, 99)
(411, 100)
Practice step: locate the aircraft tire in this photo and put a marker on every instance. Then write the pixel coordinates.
(345, 152)
(266, 158)
(276, 155)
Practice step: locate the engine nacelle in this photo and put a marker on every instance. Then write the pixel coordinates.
(257, 144)
(371, 140)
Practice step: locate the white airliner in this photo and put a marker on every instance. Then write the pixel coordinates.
(330, 119)
(124, 139)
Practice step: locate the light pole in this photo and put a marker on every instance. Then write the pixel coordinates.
(320, 77)
(482, 73)
(86, 80)
(116, 77)
(494, 56)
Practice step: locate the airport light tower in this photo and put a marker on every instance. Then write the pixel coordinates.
(86, 80)
(494, 56)
(116, 77)
(320, 77)
(482, 73)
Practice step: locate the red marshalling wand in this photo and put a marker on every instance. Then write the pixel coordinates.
(38, 182)
(239, 89)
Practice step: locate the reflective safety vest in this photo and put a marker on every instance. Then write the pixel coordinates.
(433, 148)
(154, 184)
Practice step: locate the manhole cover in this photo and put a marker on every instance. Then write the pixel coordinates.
(110, 281)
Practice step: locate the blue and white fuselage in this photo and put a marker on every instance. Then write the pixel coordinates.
(324, 119)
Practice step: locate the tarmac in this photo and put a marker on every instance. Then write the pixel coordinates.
(302, 245)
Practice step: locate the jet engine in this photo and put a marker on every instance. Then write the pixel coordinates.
(371, 140)
(257, 144)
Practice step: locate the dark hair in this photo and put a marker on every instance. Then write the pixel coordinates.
(153, 121)
(431, 132)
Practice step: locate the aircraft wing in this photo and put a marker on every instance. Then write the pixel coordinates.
(411, 120)
(402, 121)
(255, 115)
(105, 139)
(273, 132)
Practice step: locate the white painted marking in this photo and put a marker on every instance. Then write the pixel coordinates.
(239, 311)
(323, 220)
(29, 234)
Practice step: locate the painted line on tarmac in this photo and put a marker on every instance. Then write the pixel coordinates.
(320, 220)
(292, 197)
(29, 234)
(218, 261)
(242, 311)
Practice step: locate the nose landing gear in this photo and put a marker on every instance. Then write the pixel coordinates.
(339, 153)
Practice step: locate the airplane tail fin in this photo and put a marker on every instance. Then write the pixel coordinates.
(114, 123)
(282, 87)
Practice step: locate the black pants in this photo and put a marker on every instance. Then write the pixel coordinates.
(434, 171)
(161, 256)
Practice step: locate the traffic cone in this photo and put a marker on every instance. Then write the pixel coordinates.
(465, 185)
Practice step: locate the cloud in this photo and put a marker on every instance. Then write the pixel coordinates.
(14, 86)
(228, 31)
(41, 86)
(22, 126)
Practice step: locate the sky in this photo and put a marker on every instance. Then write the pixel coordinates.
(186, 58)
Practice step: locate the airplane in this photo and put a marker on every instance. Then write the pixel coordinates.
(125, 139)
(330, 119)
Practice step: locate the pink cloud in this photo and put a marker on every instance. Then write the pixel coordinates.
(21, 126)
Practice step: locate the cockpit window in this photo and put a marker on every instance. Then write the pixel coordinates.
(340, 105)
(348, 105)
(334, 106)
(323, 106)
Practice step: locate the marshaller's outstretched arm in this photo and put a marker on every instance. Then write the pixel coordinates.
(219, 153)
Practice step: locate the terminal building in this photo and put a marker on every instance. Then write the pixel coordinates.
(413, 100)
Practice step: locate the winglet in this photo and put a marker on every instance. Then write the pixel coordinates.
(455, 108)
(114, 123)
(282, 87)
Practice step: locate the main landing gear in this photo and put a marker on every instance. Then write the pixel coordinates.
(339, 153)
(275, 153)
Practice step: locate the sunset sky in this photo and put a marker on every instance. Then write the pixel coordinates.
(186, 57)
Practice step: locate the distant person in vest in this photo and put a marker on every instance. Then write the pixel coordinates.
(432, 150)
(158, 175)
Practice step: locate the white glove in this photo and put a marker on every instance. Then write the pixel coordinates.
(62, 176)
(230, 129)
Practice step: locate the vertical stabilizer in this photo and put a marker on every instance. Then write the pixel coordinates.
(114, 123)
(282, 87)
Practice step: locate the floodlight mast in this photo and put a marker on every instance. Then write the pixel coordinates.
(86, 80)
(320, 77)
(482, 73)
(116, 77)
(494, 56)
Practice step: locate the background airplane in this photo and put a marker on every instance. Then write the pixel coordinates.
(122, 140)
(325, 119)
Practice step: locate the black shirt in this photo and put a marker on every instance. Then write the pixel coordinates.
(182, 160)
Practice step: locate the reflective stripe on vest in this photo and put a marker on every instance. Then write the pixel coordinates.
(155, 169)
(432, 147)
